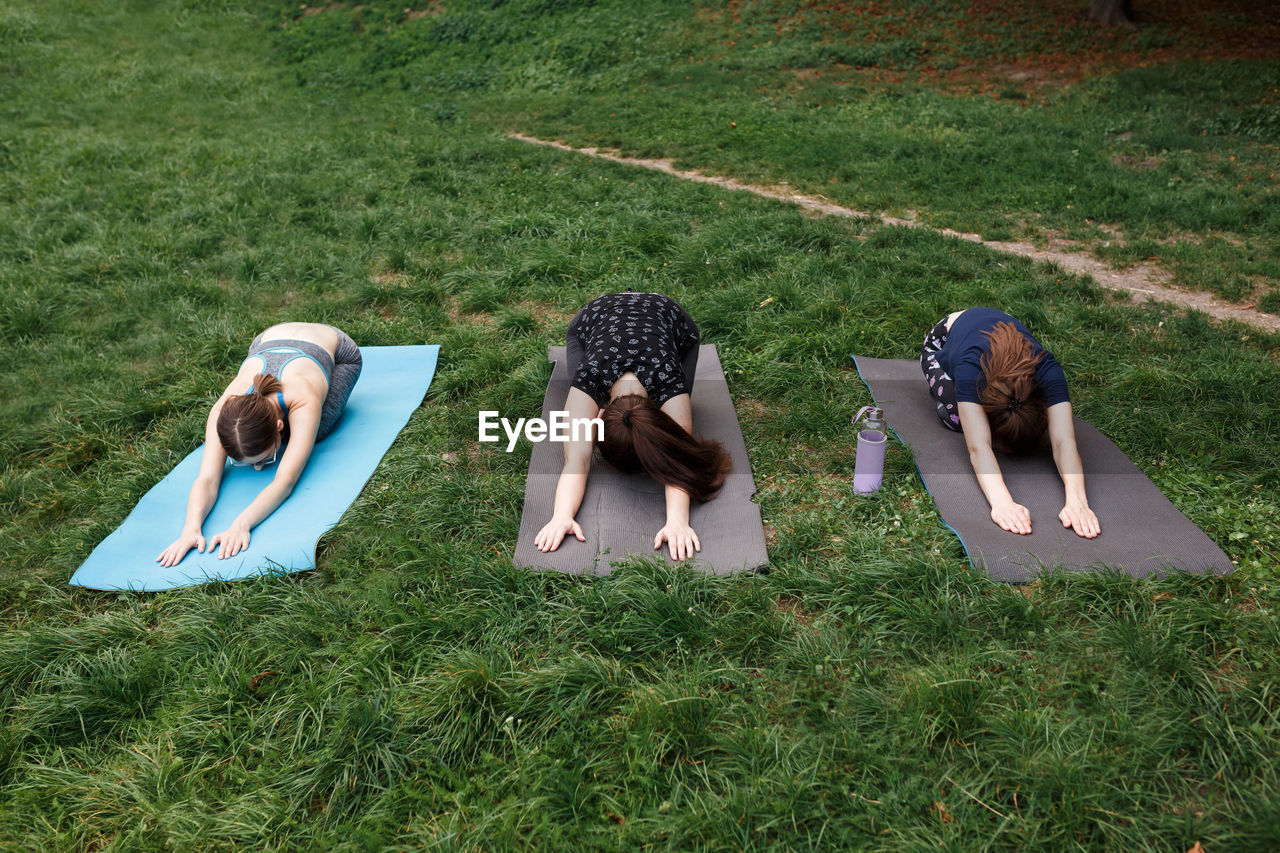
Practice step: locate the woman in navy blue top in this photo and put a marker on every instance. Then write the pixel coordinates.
(993, 381)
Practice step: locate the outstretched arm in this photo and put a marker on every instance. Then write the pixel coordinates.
(1010, 515)
(204, 492)
(572, 484)
(1076, 513)
(681, 539)
(304, 421)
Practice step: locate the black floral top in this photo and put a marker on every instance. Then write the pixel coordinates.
(645, 333)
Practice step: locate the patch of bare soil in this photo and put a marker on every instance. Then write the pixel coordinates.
(1139, 164)
(1141, 283)
(545, 313)
(433, 8)
(752, 406)
(995, 47)
(460, 317)
(306, 11)
(791, 604)
(393, 279)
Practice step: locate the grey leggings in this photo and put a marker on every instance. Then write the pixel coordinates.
(347, 364)
(343, 370)
(942, 388)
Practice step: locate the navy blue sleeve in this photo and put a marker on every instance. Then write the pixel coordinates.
(1053, 382)
(967, 379)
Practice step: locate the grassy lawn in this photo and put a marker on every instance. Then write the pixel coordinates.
(968, 117)
(175, 176)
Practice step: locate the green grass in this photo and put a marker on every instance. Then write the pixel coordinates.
(1180, 157)
(169, 189)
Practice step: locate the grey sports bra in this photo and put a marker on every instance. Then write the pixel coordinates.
(274, 355)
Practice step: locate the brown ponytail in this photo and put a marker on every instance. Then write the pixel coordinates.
(247, 423)
(638, 436)
(1011, 396)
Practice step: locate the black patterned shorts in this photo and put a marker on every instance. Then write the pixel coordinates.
(942, 388)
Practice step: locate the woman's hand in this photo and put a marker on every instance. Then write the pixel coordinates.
(1081, 519)
(554, 531)
(1013, 517)
(173, 555)
(231, 541)
(680, 538)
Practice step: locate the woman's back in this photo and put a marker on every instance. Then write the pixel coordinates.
(320, 334)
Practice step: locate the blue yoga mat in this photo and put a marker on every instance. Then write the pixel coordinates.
(391, 386)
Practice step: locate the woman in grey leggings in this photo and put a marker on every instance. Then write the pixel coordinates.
(289, 392)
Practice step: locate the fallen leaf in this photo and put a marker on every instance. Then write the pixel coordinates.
(1196, 848)
(259, 678)
(947, 817)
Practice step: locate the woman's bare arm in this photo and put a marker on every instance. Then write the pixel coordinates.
(682, 541)
(572, 484)
(1075, 513)
(204, 491)
(1005, 511)
(304, 422)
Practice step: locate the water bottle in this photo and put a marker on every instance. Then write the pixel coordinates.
(873, 437)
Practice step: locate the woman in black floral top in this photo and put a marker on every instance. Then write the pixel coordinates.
(632, 358)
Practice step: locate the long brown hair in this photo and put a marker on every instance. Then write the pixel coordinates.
(1011, 395)
(638, 436)
(247, 423)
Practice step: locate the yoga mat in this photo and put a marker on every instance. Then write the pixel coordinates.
(392, 384)
(1142, 532)
(621, 513)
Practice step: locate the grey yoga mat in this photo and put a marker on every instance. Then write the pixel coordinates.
(621, 513)
(1142, 532)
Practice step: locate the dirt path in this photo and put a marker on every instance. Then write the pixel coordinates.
(1142, 283)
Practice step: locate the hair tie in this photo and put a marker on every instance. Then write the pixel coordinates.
(626, 418)
(1015, 405)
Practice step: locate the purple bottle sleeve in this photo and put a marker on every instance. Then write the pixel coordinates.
(868, 465)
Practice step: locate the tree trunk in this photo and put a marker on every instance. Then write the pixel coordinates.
(1113, 13)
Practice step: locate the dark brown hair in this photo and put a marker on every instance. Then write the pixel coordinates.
(247, 423)
(1011, 395)
(638, 436)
